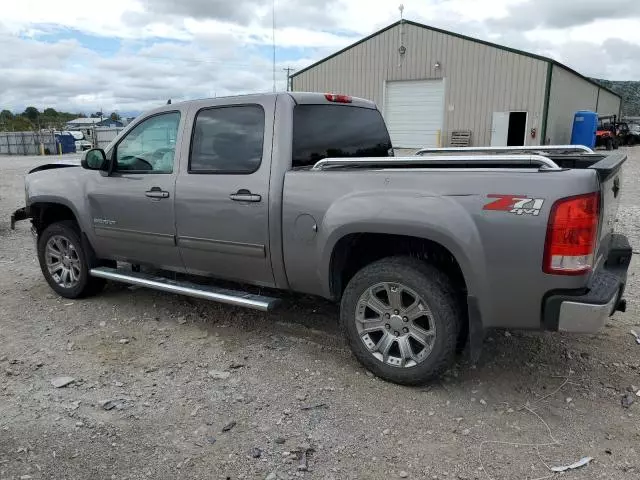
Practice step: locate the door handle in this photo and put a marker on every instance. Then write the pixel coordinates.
(156, 192)
(244, 195)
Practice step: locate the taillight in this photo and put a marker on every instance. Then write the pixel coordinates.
(332, 97)
(572, 235)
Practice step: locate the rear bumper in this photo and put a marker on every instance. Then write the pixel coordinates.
(587, 310)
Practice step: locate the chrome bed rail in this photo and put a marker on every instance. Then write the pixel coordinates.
(528, 149)
(459, 161)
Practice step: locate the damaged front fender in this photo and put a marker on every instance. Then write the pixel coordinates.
(18, 215)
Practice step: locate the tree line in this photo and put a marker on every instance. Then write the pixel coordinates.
(33, 120)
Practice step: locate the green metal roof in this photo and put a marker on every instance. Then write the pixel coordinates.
(464, 37)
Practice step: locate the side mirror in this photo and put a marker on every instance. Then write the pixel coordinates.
(94, 159)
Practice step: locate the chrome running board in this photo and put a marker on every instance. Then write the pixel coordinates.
(222, 295)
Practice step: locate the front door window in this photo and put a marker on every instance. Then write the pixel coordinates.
(150, 147)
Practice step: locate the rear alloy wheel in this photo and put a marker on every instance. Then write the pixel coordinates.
(395, 324)
(402, 319)
(64, 262)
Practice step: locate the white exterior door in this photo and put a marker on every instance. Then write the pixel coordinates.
(500, 129)
(414, 112)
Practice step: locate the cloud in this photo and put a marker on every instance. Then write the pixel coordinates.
(131, 55)
(564, 14)
(237, 11)
(127, 81)
(293, 13)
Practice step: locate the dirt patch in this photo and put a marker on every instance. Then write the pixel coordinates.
(301, 404)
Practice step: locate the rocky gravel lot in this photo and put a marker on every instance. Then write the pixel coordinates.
(163, 386)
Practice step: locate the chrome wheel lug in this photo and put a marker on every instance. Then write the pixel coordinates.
(396, 333)
(387, 316)
(405, 330)
(387, 326)
(405, 319)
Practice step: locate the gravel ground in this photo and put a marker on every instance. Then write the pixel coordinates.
(178, 372)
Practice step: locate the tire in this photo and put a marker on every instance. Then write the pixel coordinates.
(609, 144)
(64, 238)
(443, 317)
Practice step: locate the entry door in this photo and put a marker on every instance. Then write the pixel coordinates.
(500, 129)
(222, 199)
(132, 209)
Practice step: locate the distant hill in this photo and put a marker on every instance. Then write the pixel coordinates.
(630, 93)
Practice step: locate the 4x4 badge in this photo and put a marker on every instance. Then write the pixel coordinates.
(518, 204)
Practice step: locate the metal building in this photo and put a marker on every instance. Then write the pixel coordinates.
(430, 83)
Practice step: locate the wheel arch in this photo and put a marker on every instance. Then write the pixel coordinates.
(344, 262)
(44, 211)
(351, 247)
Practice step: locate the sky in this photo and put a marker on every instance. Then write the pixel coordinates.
(132, 55)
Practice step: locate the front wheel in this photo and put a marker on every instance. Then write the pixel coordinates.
(609, 144)
(402, 318)
(64, 262)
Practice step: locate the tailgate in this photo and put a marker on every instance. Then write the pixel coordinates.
(610, 175)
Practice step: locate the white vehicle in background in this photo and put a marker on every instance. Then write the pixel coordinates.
(82, 143)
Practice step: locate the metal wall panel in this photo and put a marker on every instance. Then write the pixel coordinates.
(569, 94)
(104, 135)
(27, 143)
(608, 103)
(479, 79)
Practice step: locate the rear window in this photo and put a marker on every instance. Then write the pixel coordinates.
(321, 131)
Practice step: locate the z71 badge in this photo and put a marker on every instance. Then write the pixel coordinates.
(515, 204)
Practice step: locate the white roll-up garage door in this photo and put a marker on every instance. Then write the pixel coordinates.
(414, 110)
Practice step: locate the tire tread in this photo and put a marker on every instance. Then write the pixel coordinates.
(92, 285)
(442, 297)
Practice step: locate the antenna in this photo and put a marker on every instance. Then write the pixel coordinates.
(273, 15)
(402, 49)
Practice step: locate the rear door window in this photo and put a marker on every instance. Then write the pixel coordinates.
(227, 140)
(323, 131)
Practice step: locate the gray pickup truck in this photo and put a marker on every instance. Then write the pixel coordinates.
(301, 192)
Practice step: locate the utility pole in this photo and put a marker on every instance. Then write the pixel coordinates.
(289, 70)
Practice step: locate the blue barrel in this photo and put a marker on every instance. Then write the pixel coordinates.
(585, 125)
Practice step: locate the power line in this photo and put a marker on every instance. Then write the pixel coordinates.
(289, 70)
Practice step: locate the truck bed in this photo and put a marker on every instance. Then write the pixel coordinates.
(444, 197)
